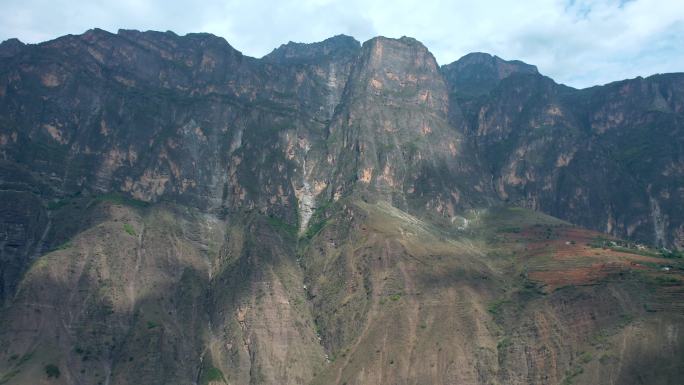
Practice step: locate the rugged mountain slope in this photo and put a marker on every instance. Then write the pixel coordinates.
(176, 212)
(162, 295)
(158, 116)
(166, 294)
(514, 298)
(608, 158)
(391, 135)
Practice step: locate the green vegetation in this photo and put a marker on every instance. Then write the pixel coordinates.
(212, 374)
(8, 376)
(629, 250)
(625, 319)
(665, 253)
(314, 228)
(495, 307)
(585, 357)
(633, 248)
(41, 262)
(656, 279)
(503, 344)
(512, 219)
(666, 281)
(318, 221)
(25, 358)
(280, 225)
(152, 325)
(129, 229)
(56, 205)
(121, 200)
(395, 297)
(606, 358)
(64, 246)
(571, 374)
(409, 149)
(529, 288)
(52, 371)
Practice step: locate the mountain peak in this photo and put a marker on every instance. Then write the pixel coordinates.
(404, 51)
(333, 47)
(479, 72)
(10, 47)
(489, 60)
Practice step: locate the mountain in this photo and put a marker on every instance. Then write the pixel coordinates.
(479, 73)
(175, 212)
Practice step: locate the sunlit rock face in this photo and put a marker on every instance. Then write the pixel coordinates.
(174, 212)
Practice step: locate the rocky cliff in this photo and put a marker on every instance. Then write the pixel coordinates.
(176, 212)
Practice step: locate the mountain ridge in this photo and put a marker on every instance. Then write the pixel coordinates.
(17, 42)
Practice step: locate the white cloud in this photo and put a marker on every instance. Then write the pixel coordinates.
(577, 42)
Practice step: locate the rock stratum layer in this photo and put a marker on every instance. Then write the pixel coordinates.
(174, 212)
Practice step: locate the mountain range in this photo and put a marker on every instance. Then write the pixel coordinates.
(174, 212)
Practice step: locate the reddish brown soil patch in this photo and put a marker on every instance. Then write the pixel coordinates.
(562, 256)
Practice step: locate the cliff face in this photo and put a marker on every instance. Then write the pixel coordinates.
(608, 158)
(189, 118)
(391, 135)
(175, 212)
(153, 114)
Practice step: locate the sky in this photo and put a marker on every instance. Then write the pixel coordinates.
(576, 42)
